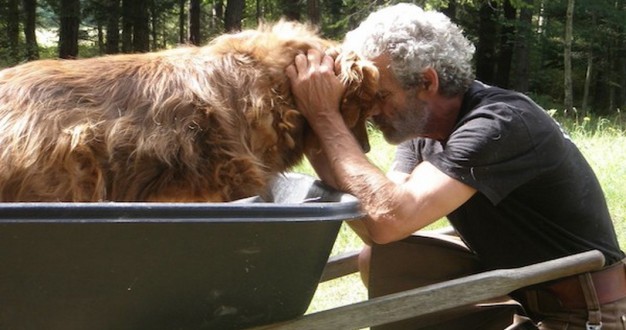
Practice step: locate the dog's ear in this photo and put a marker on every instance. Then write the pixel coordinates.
(361, 78)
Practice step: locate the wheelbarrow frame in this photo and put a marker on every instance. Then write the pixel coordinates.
(438, 297)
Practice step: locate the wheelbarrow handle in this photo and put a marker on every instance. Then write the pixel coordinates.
(444, 295)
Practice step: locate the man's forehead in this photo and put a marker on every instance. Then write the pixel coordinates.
(386, 76)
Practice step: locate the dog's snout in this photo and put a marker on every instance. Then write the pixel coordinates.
(365, 145)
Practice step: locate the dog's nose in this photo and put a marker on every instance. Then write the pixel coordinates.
(375, 110)
(365, 145)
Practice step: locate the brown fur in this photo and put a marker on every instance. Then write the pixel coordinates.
(209, 123)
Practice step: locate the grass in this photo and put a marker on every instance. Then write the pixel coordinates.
(602, 141)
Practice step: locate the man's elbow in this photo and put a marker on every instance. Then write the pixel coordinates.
(383, 239)
(384, 232)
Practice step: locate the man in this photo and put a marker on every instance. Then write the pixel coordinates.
(512, 184)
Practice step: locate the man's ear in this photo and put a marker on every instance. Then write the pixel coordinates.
(430, 84)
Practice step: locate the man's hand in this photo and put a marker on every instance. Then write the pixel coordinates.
(316, 87)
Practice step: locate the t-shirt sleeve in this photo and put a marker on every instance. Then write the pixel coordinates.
(411, 153)
(500, 147)
(406, 158)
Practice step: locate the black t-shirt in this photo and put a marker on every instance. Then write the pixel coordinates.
(537, 199)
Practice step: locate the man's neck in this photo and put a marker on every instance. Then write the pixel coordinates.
(445, 112)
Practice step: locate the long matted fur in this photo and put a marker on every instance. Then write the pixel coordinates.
(209, 123)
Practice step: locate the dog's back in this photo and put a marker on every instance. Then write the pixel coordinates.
(191, 124)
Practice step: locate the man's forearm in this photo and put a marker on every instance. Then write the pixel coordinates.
(352, 170)
(319, 162)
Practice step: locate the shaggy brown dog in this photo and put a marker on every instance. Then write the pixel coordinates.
(209, 123)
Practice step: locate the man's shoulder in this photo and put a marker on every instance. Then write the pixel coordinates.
(480, 96)
(494, 108)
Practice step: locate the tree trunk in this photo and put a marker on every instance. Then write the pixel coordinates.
(112, 44)
(313, 11)
(622, 60)
(291, 9)
(68, 31)
(194, 22)
(13, 30)
(141, 27)
(521, 55)
(612, 95)
(233, 15)
(568, 100)
(100, 29)
(30, 24)
(619, 67)
(182, 22)
(614, 62)
(219, 9)
(485, 48)
(154, 25)
(507, 37)
(217, 15)
(588, 78)
(450, 10)
(127, 26)
(622, 76)
(259, 12)
(589, 73)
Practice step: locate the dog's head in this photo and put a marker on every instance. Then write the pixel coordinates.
(268, 51)
(361, 79)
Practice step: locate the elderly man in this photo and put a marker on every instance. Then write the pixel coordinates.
(513, 185)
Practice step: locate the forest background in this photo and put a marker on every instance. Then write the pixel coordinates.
(568, 55)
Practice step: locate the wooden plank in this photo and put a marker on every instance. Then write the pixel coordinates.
(341, 265)
(443, 296)
(348, 263)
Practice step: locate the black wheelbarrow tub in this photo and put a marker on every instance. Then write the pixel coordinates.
(168, 265)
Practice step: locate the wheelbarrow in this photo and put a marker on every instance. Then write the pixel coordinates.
(249, 263)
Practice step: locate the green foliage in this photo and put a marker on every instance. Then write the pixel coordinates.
(599, 30)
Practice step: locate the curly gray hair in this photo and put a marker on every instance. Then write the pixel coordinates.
(416, 40)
